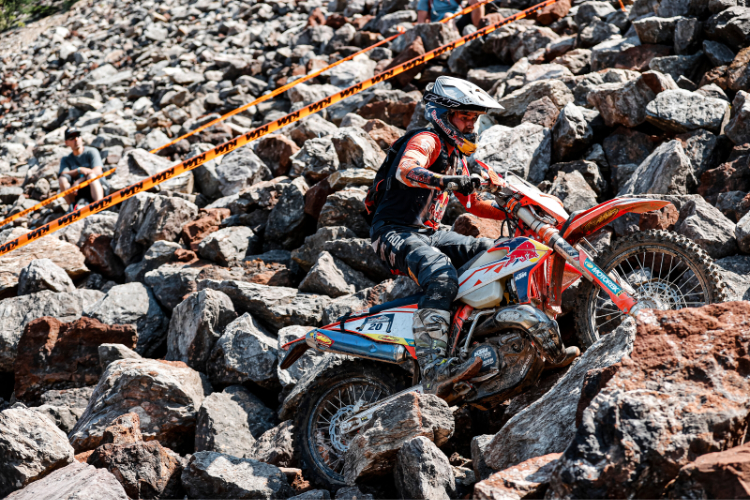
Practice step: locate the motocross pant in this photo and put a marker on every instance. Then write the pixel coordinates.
(429, 257)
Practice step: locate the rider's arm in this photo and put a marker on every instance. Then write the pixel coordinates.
(488, 209)
(421, 151)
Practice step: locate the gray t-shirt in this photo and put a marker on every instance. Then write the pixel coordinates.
(88, 159)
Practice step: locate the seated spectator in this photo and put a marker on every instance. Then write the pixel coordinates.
(83, 163)
(435, 10)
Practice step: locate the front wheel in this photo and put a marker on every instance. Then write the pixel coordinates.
(319, 443)
(666, 270)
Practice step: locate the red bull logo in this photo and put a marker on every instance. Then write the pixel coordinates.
(522, 253)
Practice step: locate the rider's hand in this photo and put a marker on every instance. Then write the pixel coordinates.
(466, 185)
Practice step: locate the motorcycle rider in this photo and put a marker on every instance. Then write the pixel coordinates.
(404, 230)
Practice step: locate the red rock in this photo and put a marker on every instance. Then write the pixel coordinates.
(471, 225)
(316, 17)
(725, 474)
(360, 22)
(552, 13)
(83, 457)
(335, 20)
(10, 181)
(734, 175)
(100, 257)
(194, 232)
(717, 75)
(415, 49)
(275, 150)
(529, 479)
(382, 133)
(637, 58)
(315, 198)
(664, 219)
(268, 273)
(184, 255)
(315, 64)
(490, 19)
(393, 108)
(57, 355)
(542, 112)
(125, 429)
(683, 392)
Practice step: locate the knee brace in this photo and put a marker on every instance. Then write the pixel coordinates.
(439, 294)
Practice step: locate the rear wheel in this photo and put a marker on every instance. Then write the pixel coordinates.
(319, 443)
(666, 270)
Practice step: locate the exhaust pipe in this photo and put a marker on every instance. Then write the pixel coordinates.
(543, 331)
(348, 344)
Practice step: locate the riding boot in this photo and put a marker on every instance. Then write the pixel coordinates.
(571, 353)
(439, 373)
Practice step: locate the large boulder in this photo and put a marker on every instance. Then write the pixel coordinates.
(345, 208)
(53, 355)
(736, 273)
(166, 395)
(17, 312)
(65, 406)
(244, 353)
(529, 479)
(722, 474)
(239, 170)
(132, 212)
(275, 306)
(196, 323)
(228, 246)
(667, 170)
(622, 103)
(286, 222)
(572, 133)
(101, 223)
(681, 110)
(423, 471)
(133, 304)
(372, 452)
(230, 421)
(525, 150)
(332, 277)
(307, 255)
(663, 406)
(73, 482)
(356, 149)
(138, 164)
(738, 128)
(276, 446)
(145, 469)
(214, 475)
(32, 446)
(316, 160)
(516, 103)
(43, 274)
(163, 220)
(547, 425)
(172, 283)
(573, 190)
(63, 254)
(706, 226)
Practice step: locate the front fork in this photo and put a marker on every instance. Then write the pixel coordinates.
(579, 259)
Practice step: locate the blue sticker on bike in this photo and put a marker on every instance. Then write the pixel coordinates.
(602, 276)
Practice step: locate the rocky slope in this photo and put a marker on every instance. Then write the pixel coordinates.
(139, 348)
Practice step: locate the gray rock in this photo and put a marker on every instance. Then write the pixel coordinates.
(244, 353)
(76, 399)
(712, 90)
(588, 10)
(738, 128)
(352, 493)
(479, 446)
(358, 254)
(171, 283)
(344, 208)
(307, 255)
(622, 103)
(574, 191)
(276, 306)
(73, 482)
(132, 212)
(287, 218)
(276, 446)
(229, 422)
(133, 304)
(63, 417)
(730, 26)
(229, 245)
(313, 495)
(304, 365)
(215, 475)
(588, 169)
(157, 254)
(373, 450)
(101, 223)
(516, 102)
(330, 276)
(166, 396)
(32, 446)
(681, 111)
(423, 471)
(196, 324)
(656, 29)
(316, 160)
(239, 170)
(112, 352)
(677, 66)
(736, 273)
(356, 149)
(718, 53)
(688, 34)
(312, 127)
(548, 424)
(164, 219)
(17, 312)
(596, 32)
(43, 274)
(525, 150)
(742, 233)
(703, 149)
(572, 133)
(706, 226)
(605, 54)
(667, 170)
(138, 164)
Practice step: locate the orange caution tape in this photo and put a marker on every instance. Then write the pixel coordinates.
(229, 146)
(306, 78)
(55, 197)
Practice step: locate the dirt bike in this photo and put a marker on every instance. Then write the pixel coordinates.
(504, 313)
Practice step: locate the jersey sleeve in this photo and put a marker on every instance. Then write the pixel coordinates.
(64, 165)
(421, 151)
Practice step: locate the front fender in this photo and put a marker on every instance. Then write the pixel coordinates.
(593, 219)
